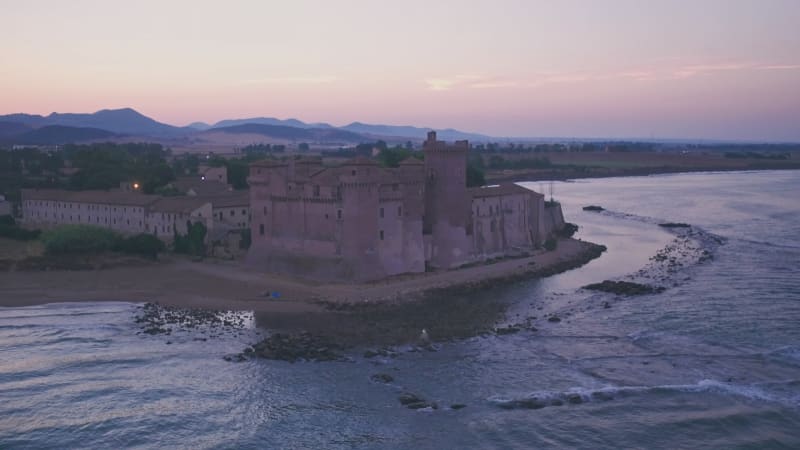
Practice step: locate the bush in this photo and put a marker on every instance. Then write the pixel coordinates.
(17, 233)
(550, 244)
(7, 220)
(142, 244)
(79, 239)
(568, 230)
(193, 243)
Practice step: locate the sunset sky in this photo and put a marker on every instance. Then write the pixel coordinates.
(716, 69)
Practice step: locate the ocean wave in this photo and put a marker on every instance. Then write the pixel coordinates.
(575, 396)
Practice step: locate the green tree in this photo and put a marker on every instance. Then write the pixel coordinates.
(475, 176)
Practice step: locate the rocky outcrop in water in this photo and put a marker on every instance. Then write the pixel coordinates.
(674, 225)
(413, 401)
(594, 208)
(296, 347)
(624, 288)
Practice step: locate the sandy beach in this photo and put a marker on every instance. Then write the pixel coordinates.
(232, 286)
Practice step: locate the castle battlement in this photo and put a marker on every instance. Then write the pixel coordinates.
(361, 221)
(431, 144)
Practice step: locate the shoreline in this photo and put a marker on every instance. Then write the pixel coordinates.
(534, 175)
(231, 286)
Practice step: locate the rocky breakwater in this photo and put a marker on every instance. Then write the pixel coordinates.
(156, 319)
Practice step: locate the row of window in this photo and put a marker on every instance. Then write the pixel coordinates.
(78, 206)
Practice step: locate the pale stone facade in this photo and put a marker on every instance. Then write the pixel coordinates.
(125, 212)
(360, 221)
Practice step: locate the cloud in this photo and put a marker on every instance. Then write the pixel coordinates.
(780, 67)
(666, 72)
(440, 84)
(292, 80)
(469, 81)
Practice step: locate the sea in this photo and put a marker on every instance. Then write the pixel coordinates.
(713, 361)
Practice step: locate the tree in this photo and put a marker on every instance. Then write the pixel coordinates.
(238, 170)
(475, 176)
(143, 244)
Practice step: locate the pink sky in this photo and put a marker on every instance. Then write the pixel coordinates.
(658, 68)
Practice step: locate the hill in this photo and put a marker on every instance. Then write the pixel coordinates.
(119, 121)
(294, 133)
(12, 129)
(59, 134)
(412, 132)
(270, 121)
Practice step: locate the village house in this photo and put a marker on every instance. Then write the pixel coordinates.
(360, 221)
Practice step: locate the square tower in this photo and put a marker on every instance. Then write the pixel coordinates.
(447, 201)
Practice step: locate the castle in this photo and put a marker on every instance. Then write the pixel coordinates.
(361, 222)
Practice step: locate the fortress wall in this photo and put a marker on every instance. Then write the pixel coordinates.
(553, 219)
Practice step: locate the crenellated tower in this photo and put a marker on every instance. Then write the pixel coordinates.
(447, 202)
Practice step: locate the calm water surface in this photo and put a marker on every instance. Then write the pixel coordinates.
(713, 362)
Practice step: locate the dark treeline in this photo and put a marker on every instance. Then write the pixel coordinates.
(106, 165)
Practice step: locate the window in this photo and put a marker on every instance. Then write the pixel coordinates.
(399, 211)
(244, 212)
(381, 213)
(233, 213)
(339, 214)
(395, 187)
(353, 172)
(261, 229)
(316, 190)
(381, 234)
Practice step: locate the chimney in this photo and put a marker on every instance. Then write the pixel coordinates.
(431, 136)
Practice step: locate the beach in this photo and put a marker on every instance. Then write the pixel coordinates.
(232, 286)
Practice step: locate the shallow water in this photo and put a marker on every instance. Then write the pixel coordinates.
(713, 362)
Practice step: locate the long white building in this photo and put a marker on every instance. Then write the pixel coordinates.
(125, 212)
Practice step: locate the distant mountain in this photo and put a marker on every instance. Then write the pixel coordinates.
(270, 121)
(202, 126)
(13, 128)
(128, 122)
(119, 121)
(59, 134)
(294, 133)
(411, 132)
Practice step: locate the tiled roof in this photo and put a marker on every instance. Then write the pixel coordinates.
(178, 204)
(115, 197)
(235, 198)
(360, 161)
(200, 186)
(268, 163)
